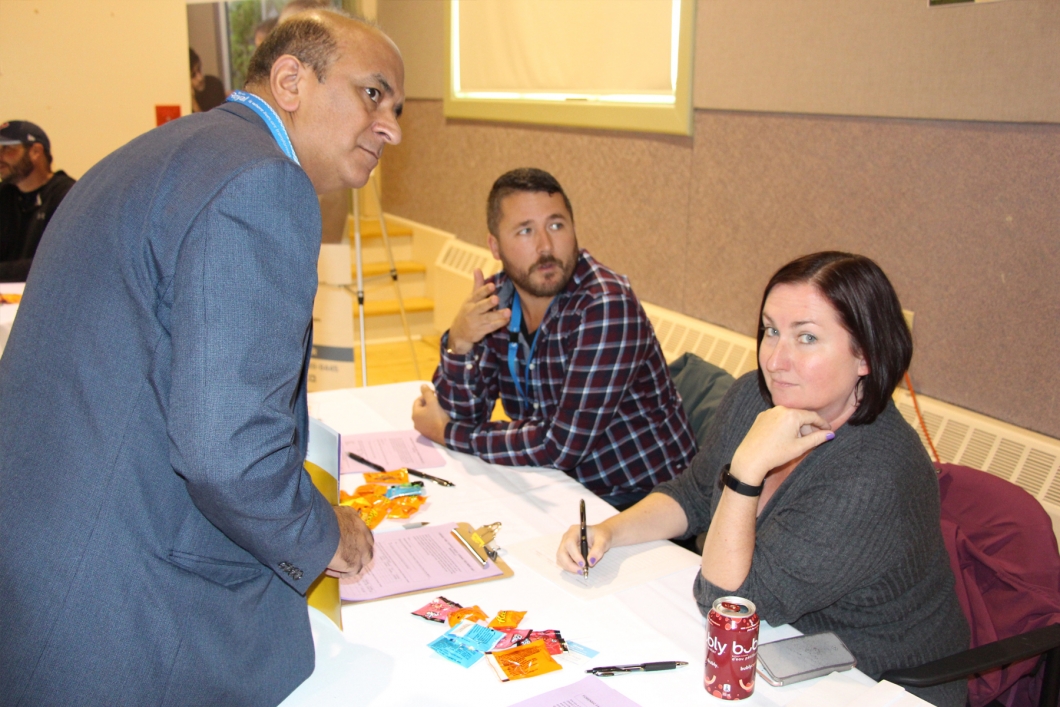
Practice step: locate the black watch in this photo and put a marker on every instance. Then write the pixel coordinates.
(738, 486)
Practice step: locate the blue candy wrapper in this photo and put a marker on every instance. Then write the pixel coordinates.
(451, 650)
(404, 490)
(473, 635)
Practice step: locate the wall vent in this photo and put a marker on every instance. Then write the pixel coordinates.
(961, 436)
(677, 334)
(454, 275)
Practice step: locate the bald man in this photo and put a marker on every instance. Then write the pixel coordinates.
(159, 532)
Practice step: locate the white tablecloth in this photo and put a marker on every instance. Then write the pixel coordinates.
(381, 657)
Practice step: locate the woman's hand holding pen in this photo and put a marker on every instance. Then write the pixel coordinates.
(569, 554)
(657, 517)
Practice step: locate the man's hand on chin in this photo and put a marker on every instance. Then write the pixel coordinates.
(428, 417)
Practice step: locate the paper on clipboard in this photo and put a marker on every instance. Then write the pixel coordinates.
(415, 560)
(620, 568)
(390, 450)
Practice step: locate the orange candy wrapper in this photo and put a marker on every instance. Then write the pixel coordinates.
(520, 662)
(507, 619)
(405, 506)
(471, 613)
(398, 476)
(372, 504)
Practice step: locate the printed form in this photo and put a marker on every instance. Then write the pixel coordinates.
(411, 560)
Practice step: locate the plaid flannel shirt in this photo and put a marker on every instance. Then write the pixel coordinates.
(601, 405)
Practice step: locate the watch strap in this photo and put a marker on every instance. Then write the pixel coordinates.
(738, 486)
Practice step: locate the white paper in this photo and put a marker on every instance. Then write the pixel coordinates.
(842, 690)
(589, 692)
(620, 568)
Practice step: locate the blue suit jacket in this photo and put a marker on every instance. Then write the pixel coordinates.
(157, 529)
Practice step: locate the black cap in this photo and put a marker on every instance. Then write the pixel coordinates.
(23, 132)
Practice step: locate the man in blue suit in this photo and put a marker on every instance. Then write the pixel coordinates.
(157, 531)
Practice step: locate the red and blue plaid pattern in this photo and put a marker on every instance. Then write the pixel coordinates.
(601, 405)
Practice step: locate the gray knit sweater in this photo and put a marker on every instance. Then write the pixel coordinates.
(849, 543)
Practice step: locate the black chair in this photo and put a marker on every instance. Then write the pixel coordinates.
(1044, 642)
(701, 386)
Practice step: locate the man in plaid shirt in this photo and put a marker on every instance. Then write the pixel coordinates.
(564, 343)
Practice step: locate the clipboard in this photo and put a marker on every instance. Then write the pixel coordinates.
(463, 538)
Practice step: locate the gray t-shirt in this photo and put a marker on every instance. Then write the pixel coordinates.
(849, 543)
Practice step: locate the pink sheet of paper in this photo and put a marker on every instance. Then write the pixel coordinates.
(390, 450)
(587, 692)
(410, 560)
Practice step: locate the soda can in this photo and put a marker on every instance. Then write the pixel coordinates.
(732, 649)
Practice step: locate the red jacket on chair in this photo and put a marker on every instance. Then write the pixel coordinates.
(1003, 553)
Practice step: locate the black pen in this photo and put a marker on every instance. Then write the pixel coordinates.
(412, 472)
(585, 544)
(608, 671)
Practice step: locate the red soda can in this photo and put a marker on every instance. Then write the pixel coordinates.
(732, 649)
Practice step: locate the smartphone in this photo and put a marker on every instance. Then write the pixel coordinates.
(802, 658)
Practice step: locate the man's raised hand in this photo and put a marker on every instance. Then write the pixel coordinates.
(477, 317)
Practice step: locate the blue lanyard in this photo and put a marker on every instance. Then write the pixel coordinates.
(275, 125)
(513, 349)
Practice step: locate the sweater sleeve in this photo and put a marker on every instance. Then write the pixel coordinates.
(833, 534)
(694, 489)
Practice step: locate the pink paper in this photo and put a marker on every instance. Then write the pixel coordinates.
(588, 692)
(411, 560)
(390, 450)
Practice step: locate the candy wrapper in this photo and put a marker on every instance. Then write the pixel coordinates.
(373, 504)
(472, 635)
(405, 490)
(465, 643)
(553, 641)
(512, 637)
(472, 613)
(438, 610)
(405, 506)
(459, 654)
(507, 619)
(398, 476)
(527, 661)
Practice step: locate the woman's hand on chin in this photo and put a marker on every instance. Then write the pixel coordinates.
(777, 436)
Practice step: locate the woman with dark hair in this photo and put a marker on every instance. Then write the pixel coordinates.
(818, 500)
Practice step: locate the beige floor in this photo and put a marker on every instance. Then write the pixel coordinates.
(392, 363)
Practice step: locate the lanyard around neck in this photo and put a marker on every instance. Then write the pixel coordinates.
(513, 349)
(275, 125)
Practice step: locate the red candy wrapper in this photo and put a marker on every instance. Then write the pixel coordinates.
(438, 610)
(512, 637)
(553, 641)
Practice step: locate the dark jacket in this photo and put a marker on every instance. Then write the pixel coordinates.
(23, 218)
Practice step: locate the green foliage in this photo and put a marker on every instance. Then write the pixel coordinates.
(243, 17)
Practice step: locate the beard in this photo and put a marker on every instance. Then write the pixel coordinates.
(522, 278)
(20, 170)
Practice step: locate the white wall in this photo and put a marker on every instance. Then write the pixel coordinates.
(90, 72)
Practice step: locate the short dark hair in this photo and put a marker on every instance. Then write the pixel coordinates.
(526, 179)
(193, 60)
(868, 309)
(305, 37)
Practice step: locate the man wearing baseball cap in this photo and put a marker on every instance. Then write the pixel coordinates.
(29, 194)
